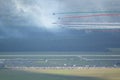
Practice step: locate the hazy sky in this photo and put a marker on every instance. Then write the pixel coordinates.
(38, 13)
(24, 19)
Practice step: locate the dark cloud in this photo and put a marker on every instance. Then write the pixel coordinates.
(38, 13)
(17, 15)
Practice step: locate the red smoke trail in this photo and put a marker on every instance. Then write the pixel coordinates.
(103, 30)
(96, 15)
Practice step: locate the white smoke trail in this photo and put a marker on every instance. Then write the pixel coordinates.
(94, 27)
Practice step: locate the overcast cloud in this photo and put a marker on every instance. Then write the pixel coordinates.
(15, 14)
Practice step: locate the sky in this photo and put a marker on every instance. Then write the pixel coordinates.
(59, 25)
